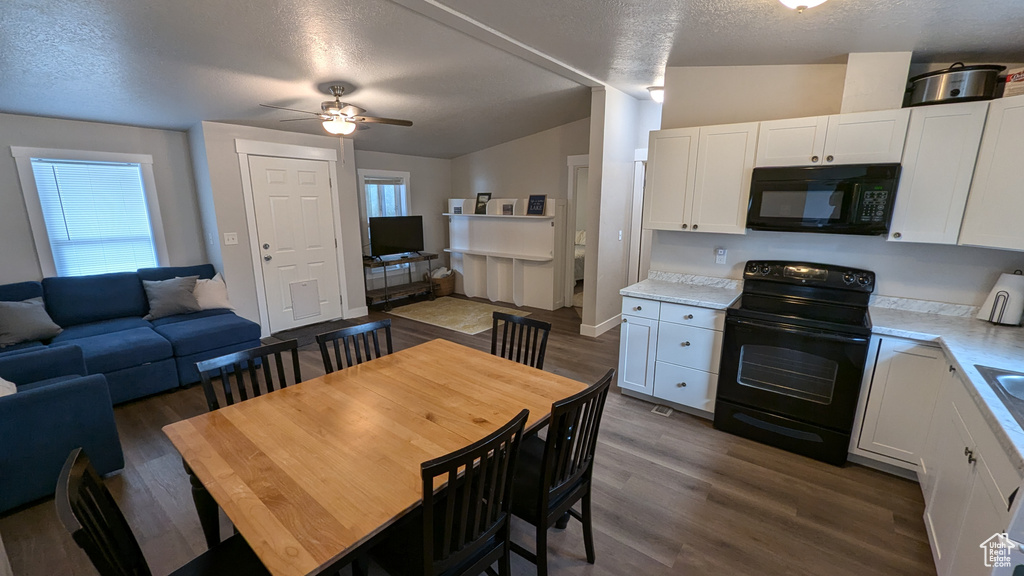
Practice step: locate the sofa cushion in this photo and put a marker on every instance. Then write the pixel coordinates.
(25, 321)
(212, 294)
(17, 348)
(116, 350)
(47, 382)
(73, 300)
(20, 291)
(186, 317)
(194, 336)
(205, 271)
(171, 297)
(102, 327)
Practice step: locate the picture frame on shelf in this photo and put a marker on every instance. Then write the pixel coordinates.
(457, 210)
(535, 205)
(481, 202)
(506, 209)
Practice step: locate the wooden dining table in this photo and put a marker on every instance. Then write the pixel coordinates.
(309, 473)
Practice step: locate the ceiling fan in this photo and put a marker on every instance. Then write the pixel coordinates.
(339, 117)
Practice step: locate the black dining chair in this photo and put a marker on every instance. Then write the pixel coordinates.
(555, 473)
(88, 511)
(462, 528)
(233, 368)
(523, 340)
(352, 345)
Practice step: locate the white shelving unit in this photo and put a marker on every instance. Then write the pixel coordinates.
(509, 258)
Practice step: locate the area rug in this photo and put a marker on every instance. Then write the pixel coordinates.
(456, 314)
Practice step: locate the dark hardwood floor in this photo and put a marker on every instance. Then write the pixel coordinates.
(671, 495)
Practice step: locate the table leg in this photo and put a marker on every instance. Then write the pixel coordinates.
(206, 507)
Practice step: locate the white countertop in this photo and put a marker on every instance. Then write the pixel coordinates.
(966, 340)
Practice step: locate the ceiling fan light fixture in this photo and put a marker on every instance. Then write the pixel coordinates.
(801, 5)
(339, 126)
(657, 93)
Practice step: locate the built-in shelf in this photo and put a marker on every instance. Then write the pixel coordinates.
(504, 216)
(527, 257)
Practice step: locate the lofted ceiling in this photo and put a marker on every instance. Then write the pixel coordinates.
(469, 73)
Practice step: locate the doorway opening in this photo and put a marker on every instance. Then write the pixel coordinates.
(579, 178)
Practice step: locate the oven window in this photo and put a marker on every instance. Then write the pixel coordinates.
(811, 204)
(788, 372)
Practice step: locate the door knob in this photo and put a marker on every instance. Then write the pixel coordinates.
(266, 246)
(268, 258)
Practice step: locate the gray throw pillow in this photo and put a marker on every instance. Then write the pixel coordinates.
(25, 321)
(170, 297)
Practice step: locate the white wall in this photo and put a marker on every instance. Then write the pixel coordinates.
(534, 164)
(219, 186)
(430, 186)
(708, 95)
(613, 136)
(172, 170)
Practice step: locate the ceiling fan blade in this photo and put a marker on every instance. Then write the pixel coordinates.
(373, 120)
(298, 119)
(317, 114)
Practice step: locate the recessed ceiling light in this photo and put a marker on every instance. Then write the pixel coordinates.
(657, 93)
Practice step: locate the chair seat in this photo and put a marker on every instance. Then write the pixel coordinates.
(229, 558)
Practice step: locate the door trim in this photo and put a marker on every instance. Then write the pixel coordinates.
(245, 148)
(572, 162)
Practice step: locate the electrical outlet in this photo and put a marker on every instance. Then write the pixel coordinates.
(720, 254)
(620, 235)
(230, 238)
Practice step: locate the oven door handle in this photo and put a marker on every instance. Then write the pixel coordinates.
(798, 332)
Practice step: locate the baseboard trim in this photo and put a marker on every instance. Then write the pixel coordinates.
(356, 312)
(882, 466)
(595, 331)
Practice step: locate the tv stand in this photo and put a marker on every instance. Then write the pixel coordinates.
(389, 293)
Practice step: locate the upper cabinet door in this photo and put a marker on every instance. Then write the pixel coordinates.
(996, 200)
(938, 162)
(725, 161)
(866, 137)
(671, 166)
(792, 142)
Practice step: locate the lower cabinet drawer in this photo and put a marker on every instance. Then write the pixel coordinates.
(689, 346)
(686, 386)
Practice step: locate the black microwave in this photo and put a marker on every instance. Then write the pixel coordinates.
(851, 199)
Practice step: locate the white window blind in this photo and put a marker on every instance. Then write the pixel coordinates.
(96, 216)
(384, 197)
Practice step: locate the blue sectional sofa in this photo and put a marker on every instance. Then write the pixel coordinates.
(56, 409)
(103, 315)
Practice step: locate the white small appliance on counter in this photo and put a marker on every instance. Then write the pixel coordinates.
(1005, 303)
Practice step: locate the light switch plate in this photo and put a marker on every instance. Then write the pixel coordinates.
(720, 254)
(230, 238)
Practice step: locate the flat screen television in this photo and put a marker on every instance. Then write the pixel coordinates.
(396, 235)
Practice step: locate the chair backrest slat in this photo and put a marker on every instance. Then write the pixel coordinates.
(522, 340)
(88, 511)
(474, 503)
(572, 439)
(355, 342)
(232, 369)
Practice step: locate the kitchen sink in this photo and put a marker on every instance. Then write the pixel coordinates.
(1012, 383)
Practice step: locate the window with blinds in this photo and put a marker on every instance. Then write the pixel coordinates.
(384, 196)
(96, 216)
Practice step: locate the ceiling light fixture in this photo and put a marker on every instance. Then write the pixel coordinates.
(657, 93)
(339, 125)
(801, 5)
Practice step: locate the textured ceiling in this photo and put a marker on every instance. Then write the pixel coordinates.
(171, 64)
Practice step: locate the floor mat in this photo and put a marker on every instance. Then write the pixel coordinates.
(455, 314)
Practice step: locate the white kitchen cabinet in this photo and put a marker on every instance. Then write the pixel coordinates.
(699, 178)
(721, 189)
(901, 395)
(671, 168)
(638, 344)
(996, 199)
(860, 138)
(967, 482)
(938, 163)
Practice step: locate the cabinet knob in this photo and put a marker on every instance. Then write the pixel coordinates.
(684, 226)
(685, 344)
(638, 308)
(681, 385)
(814, 158)
(688, 317)
(952, 368)
(897, 235)
(829, 158)
(624, 320)
(970, 455)
(694, 227)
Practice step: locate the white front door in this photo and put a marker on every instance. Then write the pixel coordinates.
(295, 231)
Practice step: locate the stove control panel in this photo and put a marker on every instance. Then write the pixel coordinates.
(819, 275)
